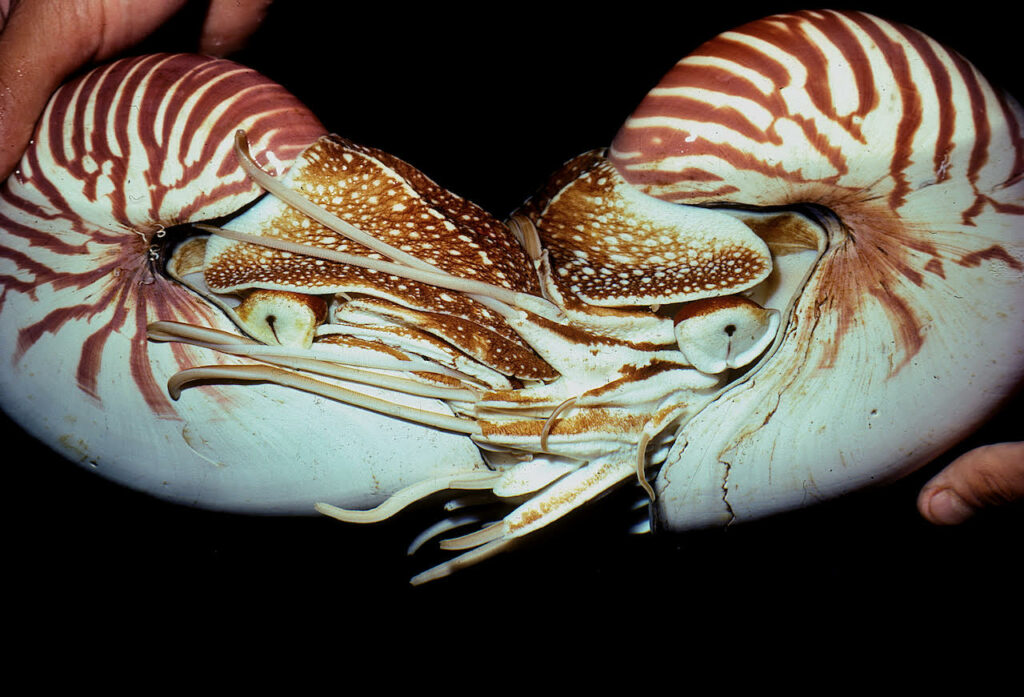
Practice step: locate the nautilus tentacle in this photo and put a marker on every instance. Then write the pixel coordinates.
(120, 156)
(564, 396)
(908, 330)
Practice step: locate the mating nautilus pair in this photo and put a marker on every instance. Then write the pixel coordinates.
(796, 271)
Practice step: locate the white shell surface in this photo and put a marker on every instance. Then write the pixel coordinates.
(735, 461)
(266, 450)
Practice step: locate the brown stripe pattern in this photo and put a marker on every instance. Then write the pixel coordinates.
(121, 154)
(898, 136)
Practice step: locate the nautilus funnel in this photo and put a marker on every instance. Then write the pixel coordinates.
(908, 331)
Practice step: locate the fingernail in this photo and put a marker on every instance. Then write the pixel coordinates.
(947, 508)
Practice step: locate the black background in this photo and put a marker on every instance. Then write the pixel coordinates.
(488, 104)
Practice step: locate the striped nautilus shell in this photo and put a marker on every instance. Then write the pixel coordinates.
(796, 271)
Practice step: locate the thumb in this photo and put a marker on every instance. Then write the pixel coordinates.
(41, 43)
(987, 476)
(229, 23)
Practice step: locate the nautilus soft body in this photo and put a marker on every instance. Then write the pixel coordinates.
(797, 270)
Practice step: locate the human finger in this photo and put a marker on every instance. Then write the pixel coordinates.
(229, 23)
(43, 42)
(987, 476)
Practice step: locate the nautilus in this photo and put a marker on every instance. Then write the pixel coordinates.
(796, 271)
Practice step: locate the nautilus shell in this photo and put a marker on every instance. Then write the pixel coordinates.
(801, 109)
(805, 237)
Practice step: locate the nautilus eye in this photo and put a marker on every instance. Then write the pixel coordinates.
(722, 333)
(287, 319)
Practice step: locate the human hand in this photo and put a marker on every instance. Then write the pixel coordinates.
(986, 476)
(42, 42)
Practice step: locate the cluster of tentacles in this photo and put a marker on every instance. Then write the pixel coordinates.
(567, 343)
